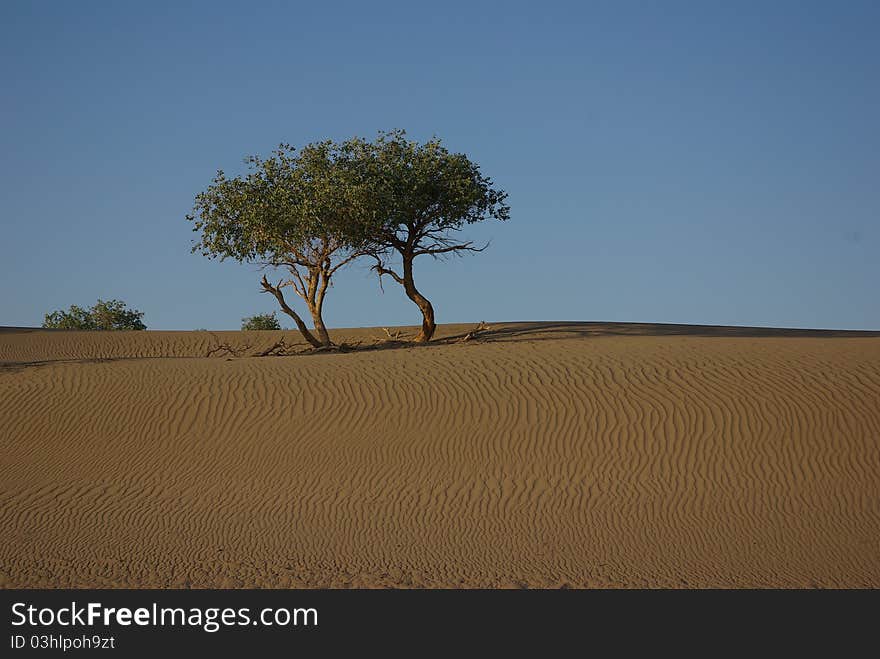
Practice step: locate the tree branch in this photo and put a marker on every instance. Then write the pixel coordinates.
(435, 249)
(289, 264)
(298, 285)
(382, 270)
(355, 255)
(279, 295)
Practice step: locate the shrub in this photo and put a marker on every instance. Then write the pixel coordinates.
(109, 315)
(262, 321)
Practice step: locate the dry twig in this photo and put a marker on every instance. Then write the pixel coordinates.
(477, 333)
(219, 349)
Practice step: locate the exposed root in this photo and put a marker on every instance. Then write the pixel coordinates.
(392, 338)
(227, 349)
(341, 347)
(278, 348)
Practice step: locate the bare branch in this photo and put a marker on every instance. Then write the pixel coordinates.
(228, 349)
(276, 291)
(382, 270)
(292, 264)
(278, 348)
(354, 255)
(298, 284)
(477, 332)
(436, 250)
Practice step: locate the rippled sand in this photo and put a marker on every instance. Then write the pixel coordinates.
(539, 455)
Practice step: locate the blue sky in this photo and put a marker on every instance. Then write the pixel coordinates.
(700, 162)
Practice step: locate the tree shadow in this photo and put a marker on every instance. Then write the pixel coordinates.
(546, 331)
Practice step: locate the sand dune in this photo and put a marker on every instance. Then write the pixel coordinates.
(542, 455)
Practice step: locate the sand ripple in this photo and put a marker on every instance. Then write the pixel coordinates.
(568, 461)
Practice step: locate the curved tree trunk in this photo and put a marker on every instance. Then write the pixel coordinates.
(424, 305)
(301, 326)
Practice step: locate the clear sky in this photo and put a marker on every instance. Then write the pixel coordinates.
(700, 162)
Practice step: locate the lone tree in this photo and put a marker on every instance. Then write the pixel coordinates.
(422, 196)
(109, 315)
(262, 321)
(293, 210)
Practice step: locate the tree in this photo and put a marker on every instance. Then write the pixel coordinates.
(75, 318)
(293, 210)
(261, 321)
(422, 196)
(109, 315)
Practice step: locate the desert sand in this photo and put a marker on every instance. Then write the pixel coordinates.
(534, 455)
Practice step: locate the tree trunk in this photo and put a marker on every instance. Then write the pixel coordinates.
(320, 329)
(301, 326)
(319, 280)
(428, 325)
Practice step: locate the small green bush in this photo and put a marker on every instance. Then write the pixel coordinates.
(109, 315)
(262, 321)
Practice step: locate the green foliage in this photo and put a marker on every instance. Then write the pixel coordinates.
(420, 194)
(262, 321)
(75, 318)
(291, 208)
(109, 315)
(293, 205)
